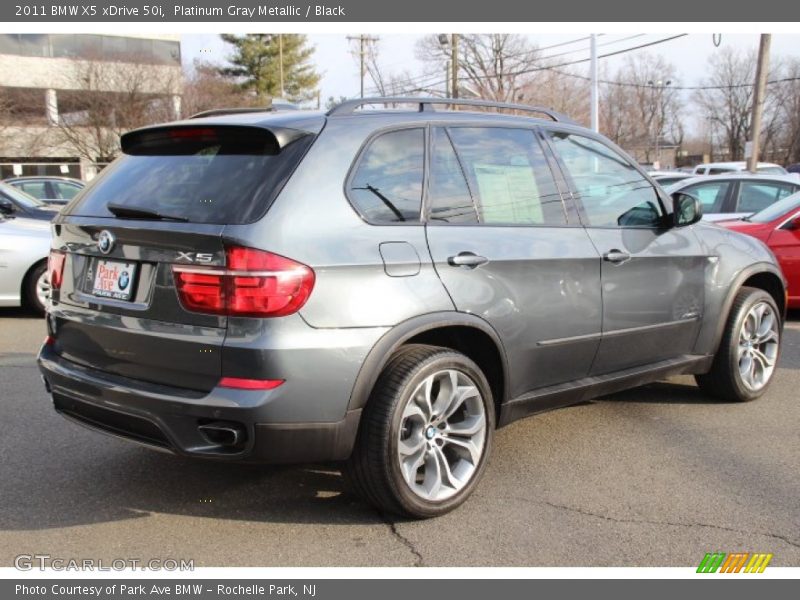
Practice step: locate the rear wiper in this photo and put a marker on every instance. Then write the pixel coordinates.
(130, 212)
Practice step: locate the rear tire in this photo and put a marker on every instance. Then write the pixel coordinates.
(748, 354)
(37, 288)
(425, 434)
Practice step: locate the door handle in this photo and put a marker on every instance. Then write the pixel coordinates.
(467, 259)
(616, 256)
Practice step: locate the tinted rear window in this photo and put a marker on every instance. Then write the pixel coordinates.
(205, 175)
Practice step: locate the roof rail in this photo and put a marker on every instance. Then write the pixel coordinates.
(348, 107)
(218, 112)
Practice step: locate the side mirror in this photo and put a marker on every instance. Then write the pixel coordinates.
(686, 209)
(6, 206)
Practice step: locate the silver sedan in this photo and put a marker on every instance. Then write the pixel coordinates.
(24, 247)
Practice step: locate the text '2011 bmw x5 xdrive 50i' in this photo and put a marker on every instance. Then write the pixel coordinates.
(385, 287)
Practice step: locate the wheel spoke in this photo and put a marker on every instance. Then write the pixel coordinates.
(465, 444)
(447, 476)
(764, 360)
(423, 397)
(432, 482)
(414, 412)
(411, 465)
(468, 427)
(412, 445)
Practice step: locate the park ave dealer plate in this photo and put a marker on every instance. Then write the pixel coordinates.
(114, 279)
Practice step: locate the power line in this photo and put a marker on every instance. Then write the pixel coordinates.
(673, 87)
(428, 80)
(566, 64)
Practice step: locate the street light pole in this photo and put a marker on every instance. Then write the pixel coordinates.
(659, 113)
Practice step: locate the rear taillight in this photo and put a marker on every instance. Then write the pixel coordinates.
(255, 283)
(55, 268)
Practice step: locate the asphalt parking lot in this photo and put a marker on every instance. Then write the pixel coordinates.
(656, 476)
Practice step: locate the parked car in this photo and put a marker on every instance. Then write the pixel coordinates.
(793, 168)
(667, 178)
(736, 195)
(383, 288)
(718, 168)
(14, 202)
(50, 189)
(24, 248)
(778, 226)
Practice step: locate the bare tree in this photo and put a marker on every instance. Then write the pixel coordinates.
(727, 102)
(385, 83)
(493, 66)
(205, 88)
(563, 91)
(783, 96)
(641, 104)
(107, 99)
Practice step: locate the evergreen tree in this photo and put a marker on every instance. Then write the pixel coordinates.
(256, 65)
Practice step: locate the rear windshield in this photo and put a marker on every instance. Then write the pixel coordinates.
(219, 175)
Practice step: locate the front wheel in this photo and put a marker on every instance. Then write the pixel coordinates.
(748, 354)
(425, 434)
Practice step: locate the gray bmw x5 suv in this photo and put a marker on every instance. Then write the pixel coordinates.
(384, 287)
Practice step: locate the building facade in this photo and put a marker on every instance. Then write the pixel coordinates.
(64, 98)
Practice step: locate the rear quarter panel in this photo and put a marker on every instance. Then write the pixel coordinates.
(313, 222)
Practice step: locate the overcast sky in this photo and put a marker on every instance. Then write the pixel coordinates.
(339, 68)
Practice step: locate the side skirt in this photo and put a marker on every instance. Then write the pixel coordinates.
(565, 394)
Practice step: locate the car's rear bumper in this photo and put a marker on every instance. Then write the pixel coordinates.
(170, 418)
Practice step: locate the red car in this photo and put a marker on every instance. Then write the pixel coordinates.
(778, 226)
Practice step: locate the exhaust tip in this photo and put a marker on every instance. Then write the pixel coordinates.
(223, 433)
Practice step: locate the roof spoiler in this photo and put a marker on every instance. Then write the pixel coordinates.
(165, 139)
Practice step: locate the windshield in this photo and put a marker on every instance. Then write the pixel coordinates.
(777, 210)
(202, 176)
(21, 198)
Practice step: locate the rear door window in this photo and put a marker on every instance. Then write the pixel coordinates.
(219, 175)
(509, 179)
(65, 191)
(755, 196)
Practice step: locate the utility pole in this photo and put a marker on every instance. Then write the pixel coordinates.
(454, 60)
(762, 70)
(595, 108)
(362, 41)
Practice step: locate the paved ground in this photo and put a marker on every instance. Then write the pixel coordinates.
(652, 477)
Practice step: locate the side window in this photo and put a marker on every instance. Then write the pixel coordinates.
(448, 195)
(508, 176)
(613, 193)
(387, 184)
(711, 194)
(37, 189)
(67, 191)
(755, 196)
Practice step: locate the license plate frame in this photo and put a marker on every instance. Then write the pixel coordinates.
(114, 279)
